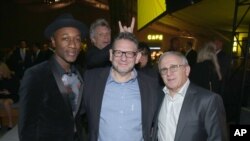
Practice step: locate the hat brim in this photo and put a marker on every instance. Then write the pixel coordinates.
(50, 30)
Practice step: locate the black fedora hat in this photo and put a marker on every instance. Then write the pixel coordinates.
(65, 20)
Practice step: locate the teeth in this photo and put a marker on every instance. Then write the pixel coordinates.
(72, 54)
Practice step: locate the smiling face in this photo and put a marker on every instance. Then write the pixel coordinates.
(176, 79)
(124, 65)
(67, 44)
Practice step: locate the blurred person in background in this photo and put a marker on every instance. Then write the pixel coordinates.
(145, 64)
(190, 54)
(97, 55)
(175, 44)
(20, 59)
(9, 85)
(48, 50)
(38, 55)
(206, 72)
(224, 62)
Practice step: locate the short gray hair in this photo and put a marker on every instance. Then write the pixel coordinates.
(174, 53)
(97, 23)
(126, 36)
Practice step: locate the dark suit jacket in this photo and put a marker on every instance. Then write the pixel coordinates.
(94, 89)
(203, 73)
(191, 57)
(38, 58)
(224, 62)
(202, 117)
(18, 65)
(96, 58)
(44, 113)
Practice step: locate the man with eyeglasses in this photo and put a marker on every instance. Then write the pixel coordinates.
(188, 112)
(120, 102)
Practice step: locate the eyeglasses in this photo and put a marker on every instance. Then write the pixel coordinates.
(128, 54)
(172, 68)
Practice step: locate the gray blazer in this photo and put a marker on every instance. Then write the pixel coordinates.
(202, 117)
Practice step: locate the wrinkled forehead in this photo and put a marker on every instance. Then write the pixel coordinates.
(170, 60)
(102, 29)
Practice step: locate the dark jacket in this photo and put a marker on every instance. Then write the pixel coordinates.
(94, 90)
(18, 65)
(191, 57)
(203, 74)
(96, 58)
(45, 115)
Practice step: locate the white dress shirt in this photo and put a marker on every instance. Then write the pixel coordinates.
(169, 113)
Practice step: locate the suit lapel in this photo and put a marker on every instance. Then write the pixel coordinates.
(185, 110)
(99, 92)
(59, 83)
(156, 117)
(80, 91)
(144, 99)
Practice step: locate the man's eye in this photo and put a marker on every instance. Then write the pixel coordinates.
(65, 39)
(78, 39)
(118, 52)
(101, 34)
(129, 53)
(174, 66)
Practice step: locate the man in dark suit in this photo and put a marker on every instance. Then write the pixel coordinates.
(49, 51)
(51, 92)
(224, 62)
(120, 102)
(188, 112)
(97, 54)
(38, 55)
(190, 54)
(20, 59)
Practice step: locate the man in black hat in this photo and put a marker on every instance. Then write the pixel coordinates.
(51, 92)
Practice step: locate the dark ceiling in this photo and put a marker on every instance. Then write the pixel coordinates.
(207, 18)
(43, 5)
(27, 19)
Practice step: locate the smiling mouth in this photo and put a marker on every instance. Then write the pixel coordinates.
(123, 64)
(170, 80)
(106, 43)
(72, 54)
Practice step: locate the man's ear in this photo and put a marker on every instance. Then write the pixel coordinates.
(92, 39)
(187, 69)
(138, 57)
(110, 55)
(53, 42)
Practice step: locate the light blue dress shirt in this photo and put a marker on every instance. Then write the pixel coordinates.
(120, 118)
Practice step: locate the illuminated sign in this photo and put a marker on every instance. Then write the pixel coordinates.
(148, 10)
(155, 37)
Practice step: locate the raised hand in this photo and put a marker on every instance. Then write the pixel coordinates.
(125, 28)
